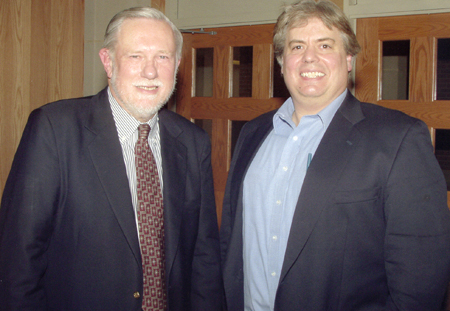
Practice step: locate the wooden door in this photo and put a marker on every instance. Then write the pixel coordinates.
(226, 79)
(424, 49)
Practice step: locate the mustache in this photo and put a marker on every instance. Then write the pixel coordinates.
(151, 83)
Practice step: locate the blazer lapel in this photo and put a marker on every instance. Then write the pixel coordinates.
(174, 155)
(323, 176)
(246, 149)
(251, 138)
(106, 154)
(248, 145)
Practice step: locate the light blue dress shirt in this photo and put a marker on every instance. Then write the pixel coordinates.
(271, 189)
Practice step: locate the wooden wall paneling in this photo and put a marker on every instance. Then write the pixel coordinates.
(65, 80)
(262, 85)
(57, 45)
(421, 69)
(77, 42)
(43, 62)
(15, 34)
(243, 110)
(71, 65)
(439, 24)
(222, 72)
(403, 27)
(41, 55)
(238, 35)
(367, 66)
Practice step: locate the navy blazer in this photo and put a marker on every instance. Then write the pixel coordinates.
(371, 229)
(68, 238)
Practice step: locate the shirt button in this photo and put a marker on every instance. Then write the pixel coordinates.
(295, 138)
(285, 168)
(278, 202)
(136, 295)
(273, 273)
(274, 237)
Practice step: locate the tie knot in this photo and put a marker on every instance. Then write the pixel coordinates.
(144, 130)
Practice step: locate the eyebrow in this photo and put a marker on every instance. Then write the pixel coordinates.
(166, 52)
(318, 40)
(143, 51)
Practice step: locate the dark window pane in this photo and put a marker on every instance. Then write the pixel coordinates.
(443, 70)
(279, 87)
(242, 71)
(204, 72)
(395, 75)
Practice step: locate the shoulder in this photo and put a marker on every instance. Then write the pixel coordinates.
(73, 107)
(369, 114)
(175, 125)
(168, 117)
(383, 128)
(388, 121)
(372, 117)
(263, 119)
(386, 115)
(261, 123)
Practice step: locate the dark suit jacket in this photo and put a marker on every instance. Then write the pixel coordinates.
(68, 238)
(371, 226)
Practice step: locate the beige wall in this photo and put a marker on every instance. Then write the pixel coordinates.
(376, 8)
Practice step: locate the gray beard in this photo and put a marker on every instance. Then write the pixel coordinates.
(149, 112)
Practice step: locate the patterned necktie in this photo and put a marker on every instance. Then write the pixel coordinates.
(150, 223)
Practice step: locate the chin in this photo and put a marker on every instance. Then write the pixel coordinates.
(148, 112)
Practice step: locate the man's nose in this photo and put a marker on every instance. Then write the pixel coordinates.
(310, 55)
(150, 70)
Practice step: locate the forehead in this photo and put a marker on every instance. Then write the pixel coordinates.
(313, 28)
(144, 31)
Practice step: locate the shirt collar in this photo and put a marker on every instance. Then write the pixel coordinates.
(283, 117)
(125, 123)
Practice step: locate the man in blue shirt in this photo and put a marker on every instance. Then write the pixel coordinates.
(332, 204)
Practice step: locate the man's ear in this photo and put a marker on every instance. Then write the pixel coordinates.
(106, 59)
(349, 63)
(281, 66)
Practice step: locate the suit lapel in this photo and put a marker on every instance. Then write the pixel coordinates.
(323, 176)
(174, 157)
(246, 149)
(251, 138)
(106, 155)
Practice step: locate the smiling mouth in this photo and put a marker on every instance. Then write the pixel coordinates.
(147, 88)
(312, 74)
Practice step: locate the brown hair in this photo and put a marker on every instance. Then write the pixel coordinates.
(297, 15)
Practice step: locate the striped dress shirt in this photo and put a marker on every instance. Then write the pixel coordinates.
(127, 129)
